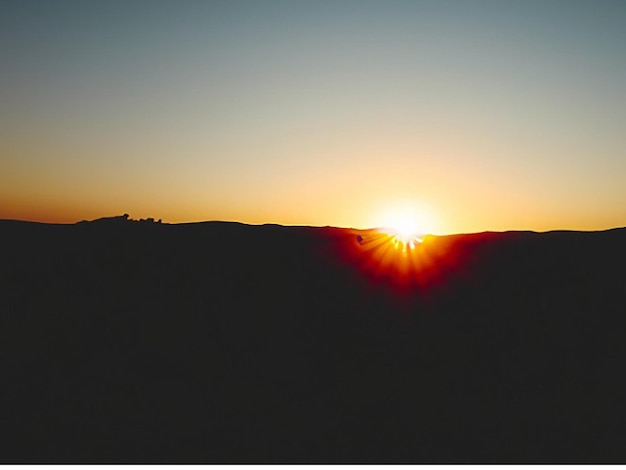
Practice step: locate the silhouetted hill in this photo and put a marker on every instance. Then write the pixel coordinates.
(218, 342)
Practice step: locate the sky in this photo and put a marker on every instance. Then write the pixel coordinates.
(473, 114)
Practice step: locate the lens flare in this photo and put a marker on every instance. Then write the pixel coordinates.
(408, 238)
(400, 253)
(405, 229)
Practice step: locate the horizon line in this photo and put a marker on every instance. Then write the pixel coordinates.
(125, 218)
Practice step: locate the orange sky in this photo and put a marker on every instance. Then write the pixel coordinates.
(480, 115)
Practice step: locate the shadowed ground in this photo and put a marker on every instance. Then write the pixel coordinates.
(127, 341)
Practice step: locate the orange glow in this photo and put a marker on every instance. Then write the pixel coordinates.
(400, 252)
(405, 240)
(419, 270)
(392, 259)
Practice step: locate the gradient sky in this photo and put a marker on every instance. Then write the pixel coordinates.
(486, 115)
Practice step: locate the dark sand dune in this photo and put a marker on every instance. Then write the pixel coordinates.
(218, 342)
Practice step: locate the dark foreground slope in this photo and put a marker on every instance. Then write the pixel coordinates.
(216, 342)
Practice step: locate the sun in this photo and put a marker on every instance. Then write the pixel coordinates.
(406, 224)
(405, 230)
(399, 246)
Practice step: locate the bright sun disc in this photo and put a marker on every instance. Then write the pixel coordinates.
(405, 230)
(405, 226)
